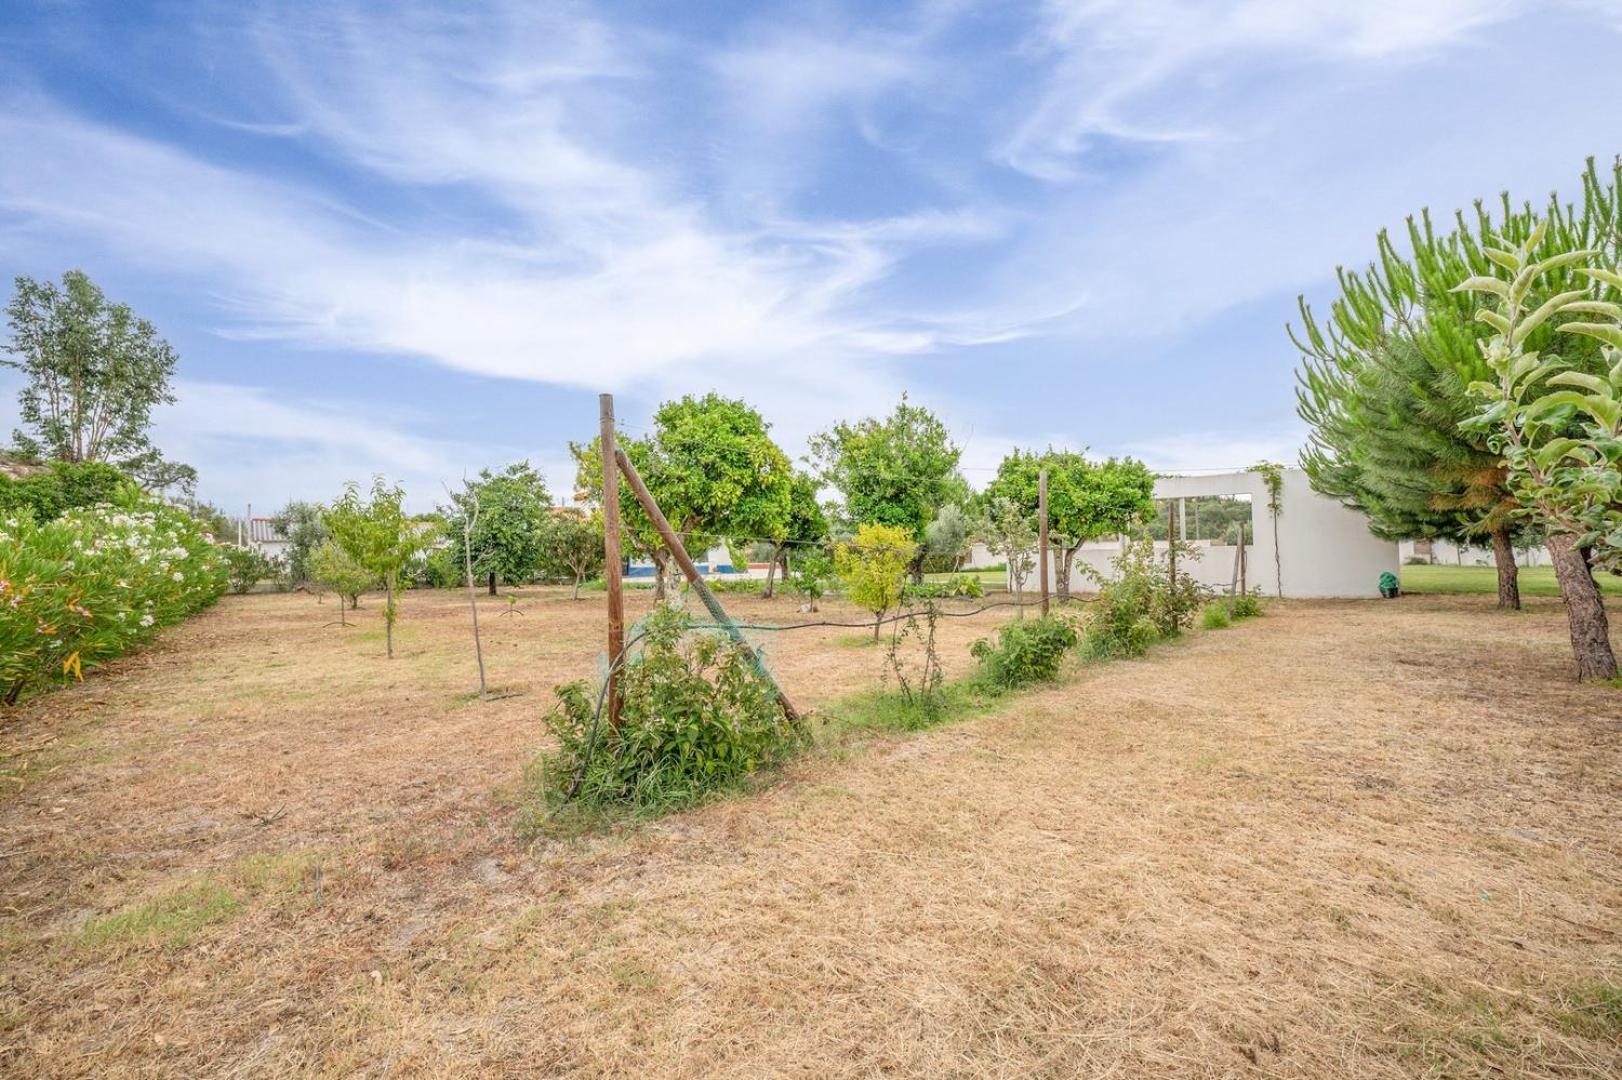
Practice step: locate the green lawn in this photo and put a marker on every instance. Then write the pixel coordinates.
(1535, 580)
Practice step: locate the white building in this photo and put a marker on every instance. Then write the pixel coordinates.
(1323, 549)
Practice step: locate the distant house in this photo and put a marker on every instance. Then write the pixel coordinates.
(261, 534)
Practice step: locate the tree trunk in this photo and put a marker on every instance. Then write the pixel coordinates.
(659, 559)
(1067, 557)
(576, 587)
(1585, 610)
(771, 572)
(916, 567)
(878, 620)
(388, 619)
(1509, 582)
(492, 580)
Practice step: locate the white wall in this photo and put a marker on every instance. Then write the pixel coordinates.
(1325, 549)
(1447, 553)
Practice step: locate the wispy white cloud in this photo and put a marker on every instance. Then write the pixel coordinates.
(1143, 70)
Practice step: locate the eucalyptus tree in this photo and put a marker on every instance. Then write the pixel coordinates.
(92, 374)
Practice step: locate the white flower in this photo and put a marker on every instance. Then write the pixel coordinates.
(147, 620)
(178, 576)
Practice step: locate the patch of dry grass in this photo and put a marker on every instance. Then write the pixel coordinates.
(1345, 839)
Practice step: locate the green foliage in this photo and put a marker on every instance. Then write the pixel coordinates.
(1559, 430)
(62, 486)
(873, 566)
(93, 372)
(697, 716)
(813, 574)
(1385, 380)
(1140, 605)
(1215, 616)
(333, 568)
(94, 584)
(1007, 529)
(920, 685)
(304, 526)
(713, 469)
(898, 471)
(571, 547)
(507, 511)
(246, 567)
(958, 586)
(1248, 605)
(378, 536)
(1025, 651)
(1086, 500)
(947, 539)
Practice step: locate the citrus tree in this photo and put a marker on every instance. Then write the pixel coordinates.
(872, 566)
(501, 515)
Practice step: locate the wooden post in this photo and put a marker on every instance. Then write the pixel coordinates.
(1042, 536)
(683, 560)
(1171, 539)
(611, 552)
(1244, 558)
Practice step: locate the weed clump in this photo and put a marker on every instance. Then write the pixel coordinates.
(1025, 651)
(1141, 604)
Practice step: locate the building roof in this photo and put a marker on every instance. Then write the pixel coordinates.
(261, 530)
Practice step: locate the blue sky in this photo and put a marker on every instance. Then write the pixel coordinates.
(418, 239)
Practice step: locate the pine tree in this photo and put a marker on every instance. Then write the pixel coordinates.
(1385, 378)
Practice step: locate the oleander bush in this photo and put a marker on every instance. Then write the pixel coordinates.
(94, 584)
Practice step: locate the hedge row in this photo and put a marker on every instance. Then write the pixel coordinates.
(94, 584)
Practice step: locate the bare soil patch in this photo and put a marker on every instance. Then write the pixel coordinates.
(1360, 839)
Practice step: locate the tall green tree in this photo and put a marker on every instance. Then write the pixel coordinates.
(1384, 382)
(1008, 529)
(1086, 500)
(93, 372)
(377, 534)
(711, 465)
(505, 541)
(898, 470)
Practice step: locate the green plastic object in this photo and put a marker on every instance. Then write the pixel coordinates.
(1388, 586)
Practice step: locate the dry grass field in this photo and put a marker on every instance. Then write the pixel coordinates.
(1347, 839)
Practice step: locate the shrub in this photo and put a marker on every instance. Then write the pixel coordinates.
(246, 567)
(873, 566)
(1248, 605)
(1026, 651)
(94, 584)
(1141, 605)
(965, 586)
(813, 573)
(1215, 616)
(62, 486)
(697, 714)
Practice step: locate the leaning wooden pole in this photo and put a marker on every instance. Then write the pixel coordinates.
(1042, 536)
(683, 560)
(611, 553)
